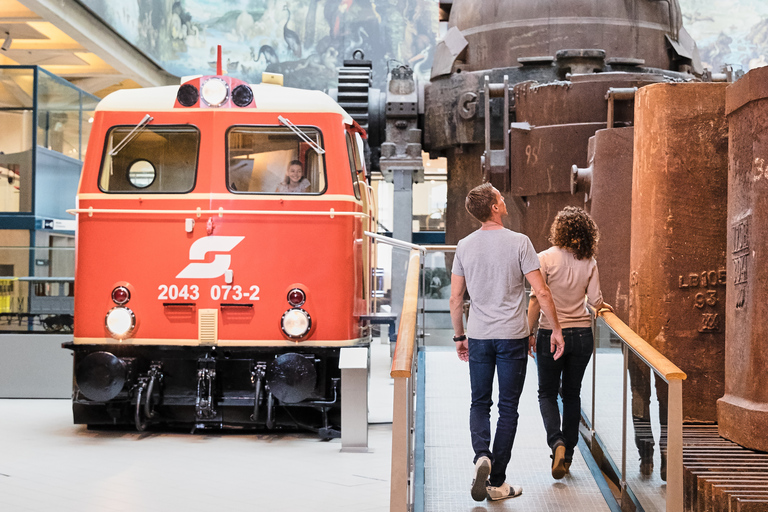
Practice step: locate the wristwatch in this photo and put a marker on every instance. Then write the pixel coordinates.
(460, 338)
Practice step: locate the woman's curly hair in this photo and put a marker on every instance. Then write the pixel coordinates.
(574, 229)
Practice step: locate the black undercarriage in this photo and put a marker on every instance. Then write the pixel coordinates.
(170, 387)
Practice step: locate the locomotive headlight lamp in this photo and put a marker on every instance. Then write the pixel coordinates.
(120, 322)
(296, 323)
(215, 92)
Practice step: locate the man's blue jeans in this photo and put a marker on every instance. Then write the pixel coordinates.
(570, 369)
(508, 358)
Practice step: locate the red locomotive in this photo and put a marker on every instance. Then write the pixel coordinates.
(221, 261)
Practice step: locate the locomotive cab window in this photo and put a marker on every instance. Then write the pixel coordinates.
(274, 160)
(355, 163)
(147, 159)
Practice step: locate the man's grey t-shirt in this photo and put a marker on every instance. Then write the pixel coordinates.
(494, 263)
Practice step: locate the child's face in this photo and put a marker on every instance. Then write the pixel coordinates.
(294, 173)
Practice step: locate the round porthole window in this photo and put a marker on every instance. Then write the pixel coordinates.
(141, 174)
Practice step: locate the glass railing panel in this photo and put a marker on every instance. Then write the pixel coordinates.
(646, 439)
(436, 289)
(630, 418)
(608, 365)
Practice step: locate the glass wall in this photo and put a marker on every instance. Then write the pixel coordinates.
(37, 109)
(430, 198)
(16, 141)
(45, 123)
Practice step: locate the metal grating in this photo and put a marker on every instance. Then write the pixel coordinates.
(207, 326)
(720, 475)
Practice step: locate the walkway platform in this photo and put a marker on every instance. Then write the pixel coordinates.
(448, 451)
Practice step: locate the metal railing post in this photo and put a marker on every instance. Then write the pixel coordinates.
(675, 446)
(594, 376)
(625, 354)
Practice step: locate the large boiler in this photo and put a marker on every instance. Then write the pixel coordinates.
(556, 60)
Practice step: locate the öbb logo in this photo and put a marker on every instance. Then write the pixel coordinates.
(220, 263)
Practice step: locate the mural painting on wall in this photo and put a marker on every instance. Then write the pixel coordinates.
(728, 32)
(305, 40)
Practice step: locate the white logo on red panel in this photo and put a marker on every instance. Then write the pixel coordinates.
(220, 263)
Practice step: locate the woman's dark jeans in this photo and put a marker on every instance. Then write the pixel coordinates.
(508, 357)
(570, 369)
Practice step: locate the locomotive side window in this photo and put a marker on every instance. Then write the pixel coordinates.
(353, 163)
(159, 159)
(274, 160)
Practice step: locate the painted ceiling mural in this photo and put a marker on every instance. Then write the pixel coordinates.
(728, 32)
(305, 40)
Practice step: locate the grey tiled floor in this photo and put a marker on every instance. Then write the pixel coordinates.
(48, 464)
(448, 457)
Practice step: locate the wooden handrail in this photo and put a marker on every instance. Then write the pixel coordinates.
(653, 357)
(441, 247)
(402, 361)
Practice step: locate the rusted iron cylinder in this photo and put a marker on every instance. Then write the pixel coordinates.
(677, 255)
(743, 412)
(612, 211)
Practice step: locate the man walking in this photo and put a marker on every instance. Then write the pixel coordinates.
(491, 263)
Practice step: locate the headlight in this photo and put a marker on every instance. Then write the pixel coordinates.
(215, 92)
(296, 323)
(120, 322)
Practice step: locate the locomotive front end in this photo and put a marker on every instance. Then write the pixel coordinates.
(221, 262)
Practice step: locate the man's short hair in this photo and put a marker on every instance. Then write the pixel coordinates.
(479, 201)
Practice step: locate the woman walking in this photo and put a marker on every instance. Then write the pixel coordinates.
(570, 270)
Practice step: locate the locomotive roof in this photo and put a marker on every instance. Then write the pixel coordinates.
(268, 98)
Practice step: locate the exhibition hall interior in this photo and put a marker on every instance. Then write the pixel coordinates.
(240, 260)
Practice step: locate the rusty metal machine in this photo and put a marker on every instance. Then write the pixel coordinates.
(517, 90)
(547, 67)
(576, 102)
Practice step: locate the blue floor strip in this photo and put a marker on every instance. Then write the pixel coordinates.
(418, 449)
(605, 489)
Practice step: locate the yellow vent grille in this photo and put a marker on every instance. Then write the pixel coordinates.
(207, 326)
